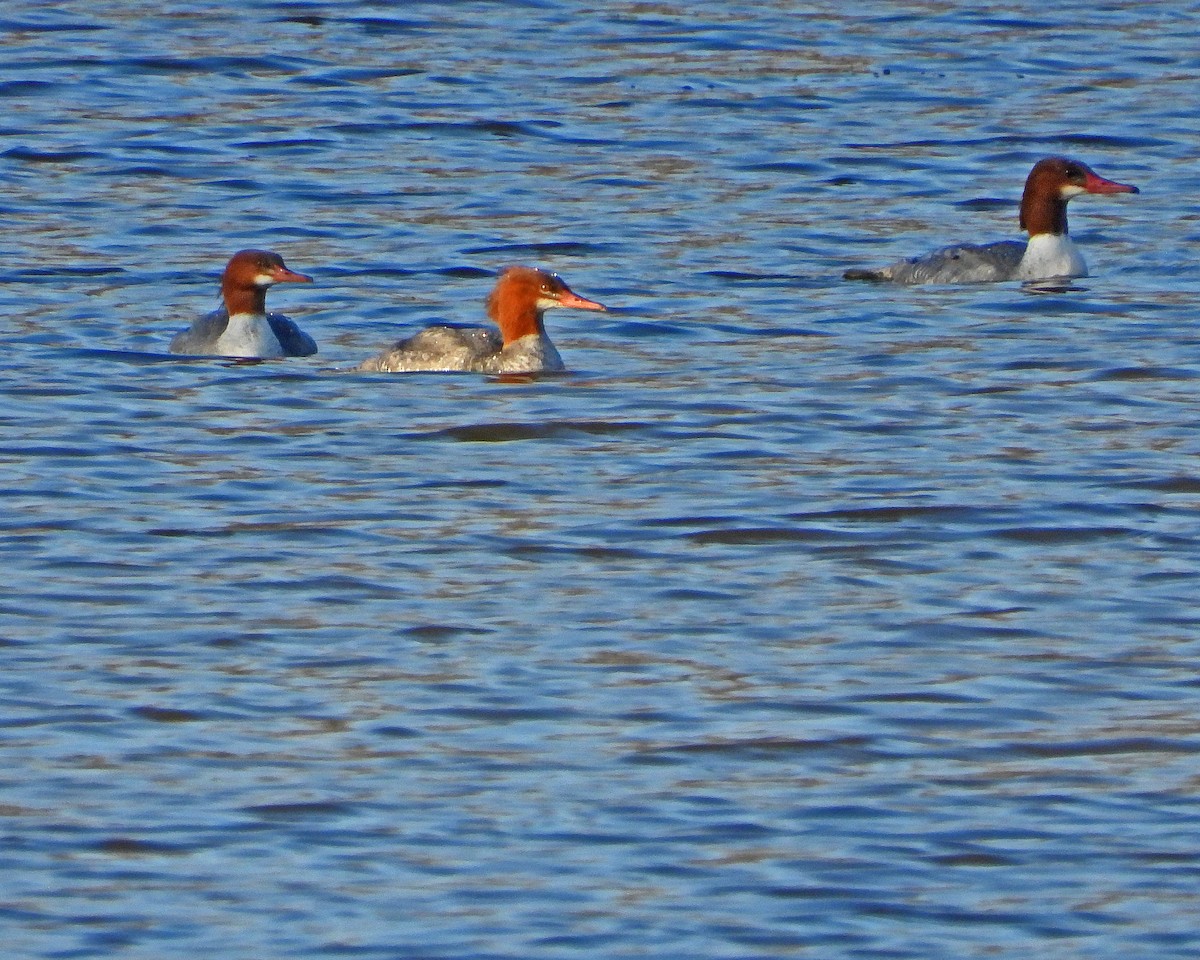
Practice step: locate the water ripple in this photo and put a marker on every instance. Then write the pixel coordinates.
(799, 618)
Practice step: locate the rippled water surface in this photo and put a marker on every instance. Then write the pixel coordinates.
(800, 619)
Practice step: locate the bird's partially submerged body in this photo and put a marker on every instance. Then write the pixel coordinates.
(1049, 253)
(520, 345)
(242, 327)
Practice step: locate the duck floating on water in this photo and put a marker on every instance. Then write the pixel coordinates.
(242, 327)
(1048, 254)
(516, 305)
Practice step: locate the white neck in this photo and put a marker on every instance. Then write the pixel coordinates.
(532, 353)
(1049, 255)
(249, 335)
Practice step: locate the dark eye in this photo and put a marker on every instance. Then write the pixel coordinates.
(1075, 175)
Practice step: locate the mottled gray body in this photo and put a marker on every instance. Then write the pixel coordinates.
(469, 349)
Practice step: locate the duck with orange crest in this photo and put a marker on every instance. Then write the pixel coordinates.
(516, 305)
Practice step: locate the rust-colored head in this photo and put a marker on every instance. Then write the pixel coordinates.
(248, 275)
(523, 294)
(1050, 184)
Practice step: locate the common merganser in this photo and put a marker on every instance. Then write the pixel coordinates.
(516, 305)
(243, 327)
(1049, 252)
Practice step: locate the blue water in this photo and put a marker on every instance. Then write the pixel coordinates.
(800, 619)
